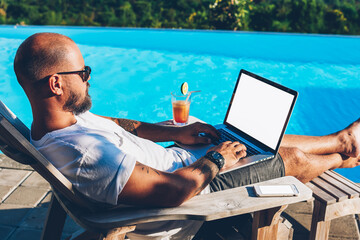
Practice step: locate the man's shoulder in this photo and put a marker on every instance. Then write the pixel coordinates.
(85, 135)
(81, 135)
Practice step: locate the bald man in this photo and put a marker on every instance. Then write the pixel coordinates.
(116, 160)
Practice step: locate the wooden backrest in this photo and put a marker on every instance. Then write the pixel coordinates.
(14, 142)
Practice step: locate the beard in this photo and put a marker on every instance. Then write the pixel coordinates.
(72, 103)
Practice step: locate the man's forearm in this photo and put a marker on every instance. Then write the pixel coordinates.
(149, 131)
(148, 186)
(193, 179)
(205, 169)
(157, 133)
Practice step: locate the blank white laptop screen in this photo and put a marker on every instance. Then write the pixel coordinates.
(260, 110)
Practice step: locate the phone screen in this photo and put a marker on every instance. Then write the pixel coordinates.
(284, 189)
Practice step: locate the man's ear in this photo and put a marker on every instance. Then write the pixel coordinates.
(56, 84)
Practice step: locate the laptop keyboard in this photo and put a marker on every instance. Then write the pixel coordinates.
(225, 136)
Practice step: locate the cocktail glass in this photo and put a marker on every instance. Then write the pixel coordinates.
(181, 108)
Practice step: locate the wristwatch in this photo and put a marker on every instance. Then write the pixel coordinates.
(216, 158)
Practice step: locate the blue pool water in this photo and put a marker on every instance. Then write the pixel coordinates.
(134, 71)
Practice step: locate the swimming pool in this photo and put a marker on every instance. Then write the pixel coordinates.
(134, 71)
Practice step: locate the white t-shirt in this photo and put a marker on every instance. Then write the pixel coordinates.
(98, 157)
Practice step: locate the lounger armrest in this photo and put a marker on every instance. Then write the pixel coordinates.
(205, 207)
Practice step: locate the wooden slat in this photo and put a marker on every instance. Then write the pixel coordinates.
(339, 185)
(54, 222)
(338, 194)
(319, 227)
(266, 223)
(320, 194)
(344, 208)
(344, 180)
(118, 233)
(11, 117)
(16, 140)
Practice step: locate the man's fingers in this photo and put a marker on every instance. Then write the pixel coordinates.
(241, 154)
(239, 149)
(208, 129)
(238, 146)
(203, 140)
(226, 143)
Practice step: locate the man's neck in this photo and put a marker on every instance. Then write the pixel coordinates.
(45, 122)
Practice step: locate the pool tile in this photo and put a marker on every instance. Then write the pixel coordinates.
(35, 180)
(5, 191)
(24, 233)
(13, 214)
(35, 219)
(5, 231)
(28, 196)
(13, 177)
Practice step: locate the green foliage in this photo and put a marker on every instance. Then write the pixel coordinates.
(305, 16)
(229, 14)
(262, 15)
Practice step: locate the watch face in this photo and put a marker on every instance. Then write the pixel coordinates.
(218, 157)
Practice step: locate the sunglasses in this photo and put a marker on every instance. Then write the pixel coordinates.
(84, 74)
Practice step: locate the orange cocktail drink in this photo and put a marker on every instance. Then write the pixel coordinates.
(181, 108)
(181, 111)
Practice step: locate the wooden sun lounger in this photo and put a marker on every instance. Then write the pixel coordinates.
(114, 223)
(335, 196)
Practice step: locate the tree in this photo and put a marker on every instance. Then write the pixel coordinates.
(51, 18)
(229, 14)
(142, 9)
(261, 16)
(126, 16)
(352, 16)
(308, 16)
(2, 16)
(336, 22)
(107, 18)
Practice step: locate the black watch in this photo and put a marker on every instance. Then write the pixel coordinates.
(216, 158)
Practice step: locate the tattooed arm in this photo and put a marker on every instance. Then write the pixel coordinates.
(127, 124)
(149, 131)
(186, 135)
(148, 186)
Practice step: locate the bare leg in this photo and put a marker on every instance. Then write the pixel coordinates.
(312, 144)
(346, 142)
(306, 166)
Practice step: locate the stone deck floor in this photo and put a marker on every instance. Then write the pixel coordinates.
(25, 196)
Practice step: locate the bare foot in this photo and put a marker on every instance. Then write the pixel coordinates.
(350, 139)
(350, 162)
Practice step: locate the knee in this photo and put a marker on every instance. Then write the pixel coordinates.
(298, 155)
(294, 159)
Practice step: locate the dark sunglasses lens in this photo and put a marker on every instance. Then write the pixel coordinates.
(85, 75)
(88, 69)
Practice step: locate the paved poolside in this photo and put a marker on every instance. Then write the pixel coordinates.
(25, 196)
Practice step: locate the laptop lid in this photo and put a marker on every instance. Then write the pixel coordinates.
(260, 110)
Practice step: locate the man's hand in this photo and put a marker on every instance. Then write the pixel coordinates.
(190, 134)
(231, 151)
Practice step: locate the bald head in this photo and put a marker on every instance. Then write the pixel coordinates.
(41, 55)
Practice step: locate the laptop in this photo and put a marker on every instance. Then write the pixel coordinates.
(257, 116)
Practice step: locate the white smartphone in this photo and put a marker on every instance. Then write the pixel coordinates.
(285, 190)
